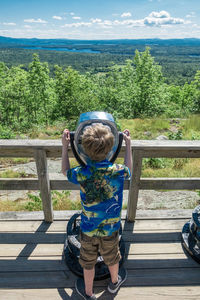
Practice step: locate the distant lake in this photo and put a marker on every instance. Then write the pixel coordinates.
(194, 55)
(63, 49)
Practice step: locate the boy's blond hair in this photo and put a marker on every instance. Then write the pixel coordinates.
(97, 141)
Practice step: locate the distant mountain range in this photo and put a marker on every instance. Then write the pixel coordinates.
(25, 42)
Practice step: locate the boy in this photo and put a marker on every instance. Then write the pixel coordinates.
(101, 191)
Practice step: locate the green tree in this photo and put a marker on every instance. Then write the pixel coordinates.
(3, 75)
(150, 83)
(75, 93)
(188, 104)
(14, 92)
(135, 89)
(196, 86)
(41, 92)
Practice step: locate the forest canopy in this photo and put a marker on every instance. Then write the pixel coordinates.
(135, 89)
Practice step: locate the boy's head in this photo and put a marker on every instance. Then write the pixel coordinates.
(97, 141)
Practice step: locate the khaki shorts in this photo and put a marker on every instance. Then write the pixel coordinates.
(107, 246)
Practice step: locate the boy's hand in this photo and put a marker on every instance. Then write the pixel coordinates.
(66, 138)
(128, 152)
(127, 137)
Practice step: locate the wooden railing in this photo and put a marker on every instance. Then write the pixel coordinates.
(43, 149)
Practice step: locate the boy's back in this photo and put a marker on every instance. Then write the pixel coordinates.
(101, 190)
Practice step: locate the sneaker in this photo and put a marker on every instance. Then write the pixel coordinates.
(113, 287)
(80, 288)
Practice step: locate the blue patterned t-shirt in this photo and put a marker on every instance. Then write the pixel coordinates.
(101, 191)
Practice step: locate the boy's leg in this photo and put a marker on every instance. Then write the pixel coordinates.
(111, 255)
(113, 287)
(89, 279)
(88, 258)
(114, 272)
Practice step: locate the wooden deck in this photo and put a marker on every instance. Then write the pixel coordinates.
(32, 266)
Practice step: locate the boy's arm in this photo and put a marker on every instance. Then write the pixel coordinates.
(128, 152)
(65, 157)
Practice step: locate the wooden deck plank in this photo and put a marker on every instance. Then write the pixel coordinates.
(59, 237)
(31, 250)
(160, 261)
(153, 248)
(57, 263)
(66, 279)
(157, 293)
(32, 225)
(38, 294)
(163, 277)
(49, 263)
(50, 279)
(64, 215)
(16, 226)
(156, 224)
(152, 293)
(57, 249)
(33, 238)
(152, 236)
(138, 293)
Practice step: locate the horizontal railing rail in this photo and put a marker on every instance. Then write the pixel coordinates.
(40, 150)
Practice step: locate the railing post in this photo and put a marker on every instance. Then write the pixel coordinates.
(44, 184)
(134, 185)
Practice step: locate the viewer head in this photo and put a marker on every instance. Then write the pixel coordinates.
(97, 141)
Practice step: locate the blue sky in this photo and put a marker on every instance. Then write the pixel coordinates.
(100, 19)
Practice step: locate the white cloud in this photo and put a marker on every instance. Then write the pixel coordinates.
(9, 24)
(162, 18)
(161, 14)
(125, 15)
(76, 18)
(190, 15)
(156, 19)
(27, 26)
(96, 20)
(81, 24)
(57, 17)
(107, 22)
(95, 31)
(72, 14)
(30, 33)
(129, 23)
(195, 25)
(35, 21)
